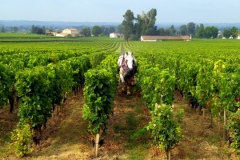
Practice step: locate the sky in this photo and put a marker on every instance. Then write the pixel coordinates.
(177, 11)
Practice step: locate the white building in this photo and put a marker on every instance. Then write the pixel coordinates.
(69, 31)
(115, 35)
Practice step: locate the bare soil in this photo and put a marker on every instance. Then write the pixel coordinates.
(66, 135)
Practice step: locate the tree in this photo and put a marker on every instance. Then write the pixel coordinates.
(183, 30)
(234, 32)
(172, 30)
(15, 29)
(151, 28)
(3, 30)
(108, 30)
(103, 28)
(96, 30)
(38, 30)
(207, 32)
(11, 29)
(128, 24)
(214, 31)
(139, 25)
(146, 23)
(161, 32)
(168, 32)
(227, 33)
(33, 29)
(43, 30)
(86, 31)
(191, 28)
(200, 31)
(119, 28)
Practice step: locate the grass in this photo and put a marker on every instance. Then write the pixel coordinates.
(5, 147)
(118, 128)
(5, 151)
(214, 139)
(131, 121)
(5, 138)
(138, 152)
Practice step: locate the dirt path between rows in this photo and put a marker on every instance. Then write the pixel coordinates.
(66, 135)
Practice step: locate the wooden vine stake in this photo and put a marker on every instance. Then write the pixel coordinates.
(203, 110)
(225, 125)
(219, 124)
(97, 144)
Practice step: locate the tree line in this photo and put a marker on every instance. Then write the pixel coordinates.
(144, 24)
(133, 27)
(9, 29)
(38, 30)
(84, 31)
(97, 31)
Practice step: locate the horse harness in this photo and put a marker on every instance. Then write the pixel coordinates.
(124, 65)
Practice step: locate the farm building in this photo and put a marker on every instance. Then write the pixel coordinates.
(165, 38)
(61, 35)
(116, 35)
(69, 31)
(54, 33)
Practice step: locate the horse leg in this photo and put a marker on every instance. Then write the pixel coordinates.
(133, 81)
(122, 79)
(128, 90)
(123, 87)
(119, 81)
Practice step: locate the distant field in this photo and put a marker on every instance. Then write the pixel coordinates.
(28, 37)
(22, 36)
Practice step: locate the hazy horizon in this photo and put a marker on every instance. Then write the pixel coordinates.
(118, 22)
(204, 11)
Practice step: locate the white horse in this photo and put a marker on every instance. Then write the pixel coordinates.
(127, 68)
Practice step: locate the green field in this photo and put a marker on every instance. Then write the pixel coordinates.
(28, 37)
(207, 71)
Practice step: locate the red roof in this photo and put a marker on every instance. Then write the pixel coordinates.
(155, 38)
